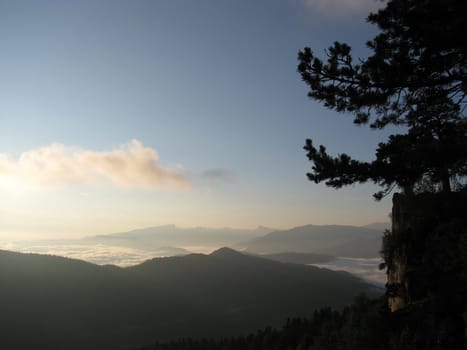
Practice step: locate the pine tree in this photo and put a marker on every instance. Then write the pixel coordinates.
(415, 77)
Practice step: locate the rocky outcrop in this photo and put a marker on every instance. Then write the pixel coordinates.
(424, 246)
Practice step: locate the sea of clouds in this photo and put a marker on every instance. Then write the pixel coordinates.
(97, 253)
(367, 269)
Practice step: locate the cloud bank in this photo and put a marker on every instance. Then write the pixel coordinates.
(130, 166)
(344, 8)
(99, 254)
(367, 269)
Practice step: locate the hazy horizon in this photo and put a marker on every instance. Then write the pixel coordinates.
(37, 236)
(134, 247)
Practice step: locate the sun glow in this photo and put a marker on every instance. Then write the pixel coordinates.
(9, 184)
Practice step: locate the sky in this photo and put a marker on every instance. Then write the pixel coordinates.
(116, 115)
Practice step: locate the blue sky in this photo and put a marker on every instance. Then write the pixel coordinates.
(123, 114)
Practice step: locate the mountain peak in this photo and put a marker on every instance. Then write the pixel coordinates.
(227, 252)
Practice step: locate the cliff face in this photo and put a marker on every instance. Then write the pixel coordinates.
(426, 245)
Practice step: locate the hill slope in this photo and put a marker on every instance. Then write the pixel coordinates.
(58, 303)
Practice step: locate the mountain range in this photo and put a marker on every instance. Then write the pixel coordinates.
(173, 236)
(314, 243)
(50, 302)
(333, 240)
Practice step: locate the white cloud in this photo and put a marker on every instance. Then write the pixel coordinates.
(344, 8)
(130, 166)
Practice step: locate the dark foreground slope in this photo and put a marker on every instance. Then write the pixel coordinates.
(57, 303)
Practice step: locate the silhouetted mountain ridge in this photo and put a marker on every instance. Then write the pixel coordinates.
(57, 303)
(226, 251)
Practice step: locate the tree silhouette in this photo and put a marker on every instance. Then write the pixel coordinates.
(415, 77)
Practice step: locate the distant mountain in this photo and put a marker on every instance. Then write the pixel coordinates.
(299, 258)
(381, 226)
(50, 302)
(334, 240)
(196, 238)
